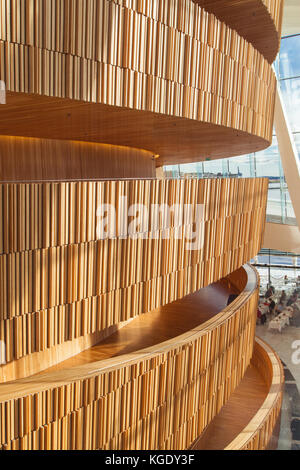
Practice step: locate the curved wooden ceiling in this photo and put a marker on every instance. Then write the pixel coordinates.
(173, 138)
(258, 21)
(177, 82)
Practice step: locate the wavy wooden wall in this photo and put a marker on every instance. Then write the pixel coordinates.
(159, 398)
(258, 21)
(168, 77)
(59, 283)
(250, 420)
(258, 435)
(170, 58)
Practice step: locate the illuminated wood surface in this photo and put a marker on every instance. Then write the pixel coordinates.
(165, 79)
(172, 138)
(172, 60)
(28, 159)
(61, 283)
(258, 21)
(71, 27)
(248, 420)
(153, 327)
(159, 397)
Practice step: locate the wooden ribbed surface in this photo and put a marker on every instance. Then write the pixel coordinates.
(167, 77)
(72, 27)
(154, 327)
(59, 283)
(258, 21)
(249, 419)
(259, 433)
(170, 58)
(158, 398)
(172, 138)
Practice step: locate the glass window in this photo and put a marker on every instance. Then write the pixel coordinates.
(191, 169)
(268, 162)
(289, 57)
(213, 168)
(291, 97)
(243, 167)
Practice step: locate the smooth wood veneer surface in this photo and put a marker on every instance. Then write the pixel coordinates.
(181, 383)
(170, 138)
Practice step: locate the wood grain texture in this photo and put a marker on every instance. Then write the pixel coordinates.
(161, 397)
(32, 363)
(236, 414)
(248, 420)
(60, 282)
(258, 434)
(71, 27)
(172, 138)
(138, 57)
(143, 331)
(258, 21)
(69, 214)
(28, 159)
(171, 79)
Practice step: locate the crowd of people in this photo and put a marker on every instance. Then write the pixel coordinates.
(274, 303)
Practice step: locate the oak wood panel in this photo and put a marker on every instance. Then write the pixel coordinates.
(70, 217)
(236, 414)
(144, 331)
(258, 434)
(37, 361)
(61, 283)
(28, 159)
(167, 383)
(249, 419)
(77, 22)
(138, 57)
(153, 327)
(172, 79)
(258, 21)
(173, 139)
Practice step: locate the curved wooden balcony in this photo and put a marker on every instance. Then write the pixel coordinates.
(63, 290)
(258, 21)
(250, 420)
(123, 395)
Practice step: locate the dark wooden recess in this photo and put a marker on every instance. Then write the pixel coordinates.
(31, 159)
(127, 341)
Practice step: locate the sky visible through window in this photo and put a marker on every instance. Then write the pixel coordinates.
(266, 163)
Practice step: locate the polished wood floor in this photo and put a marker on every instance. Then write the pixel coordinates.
(157, 326)
(243, 404)
(149, 331)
